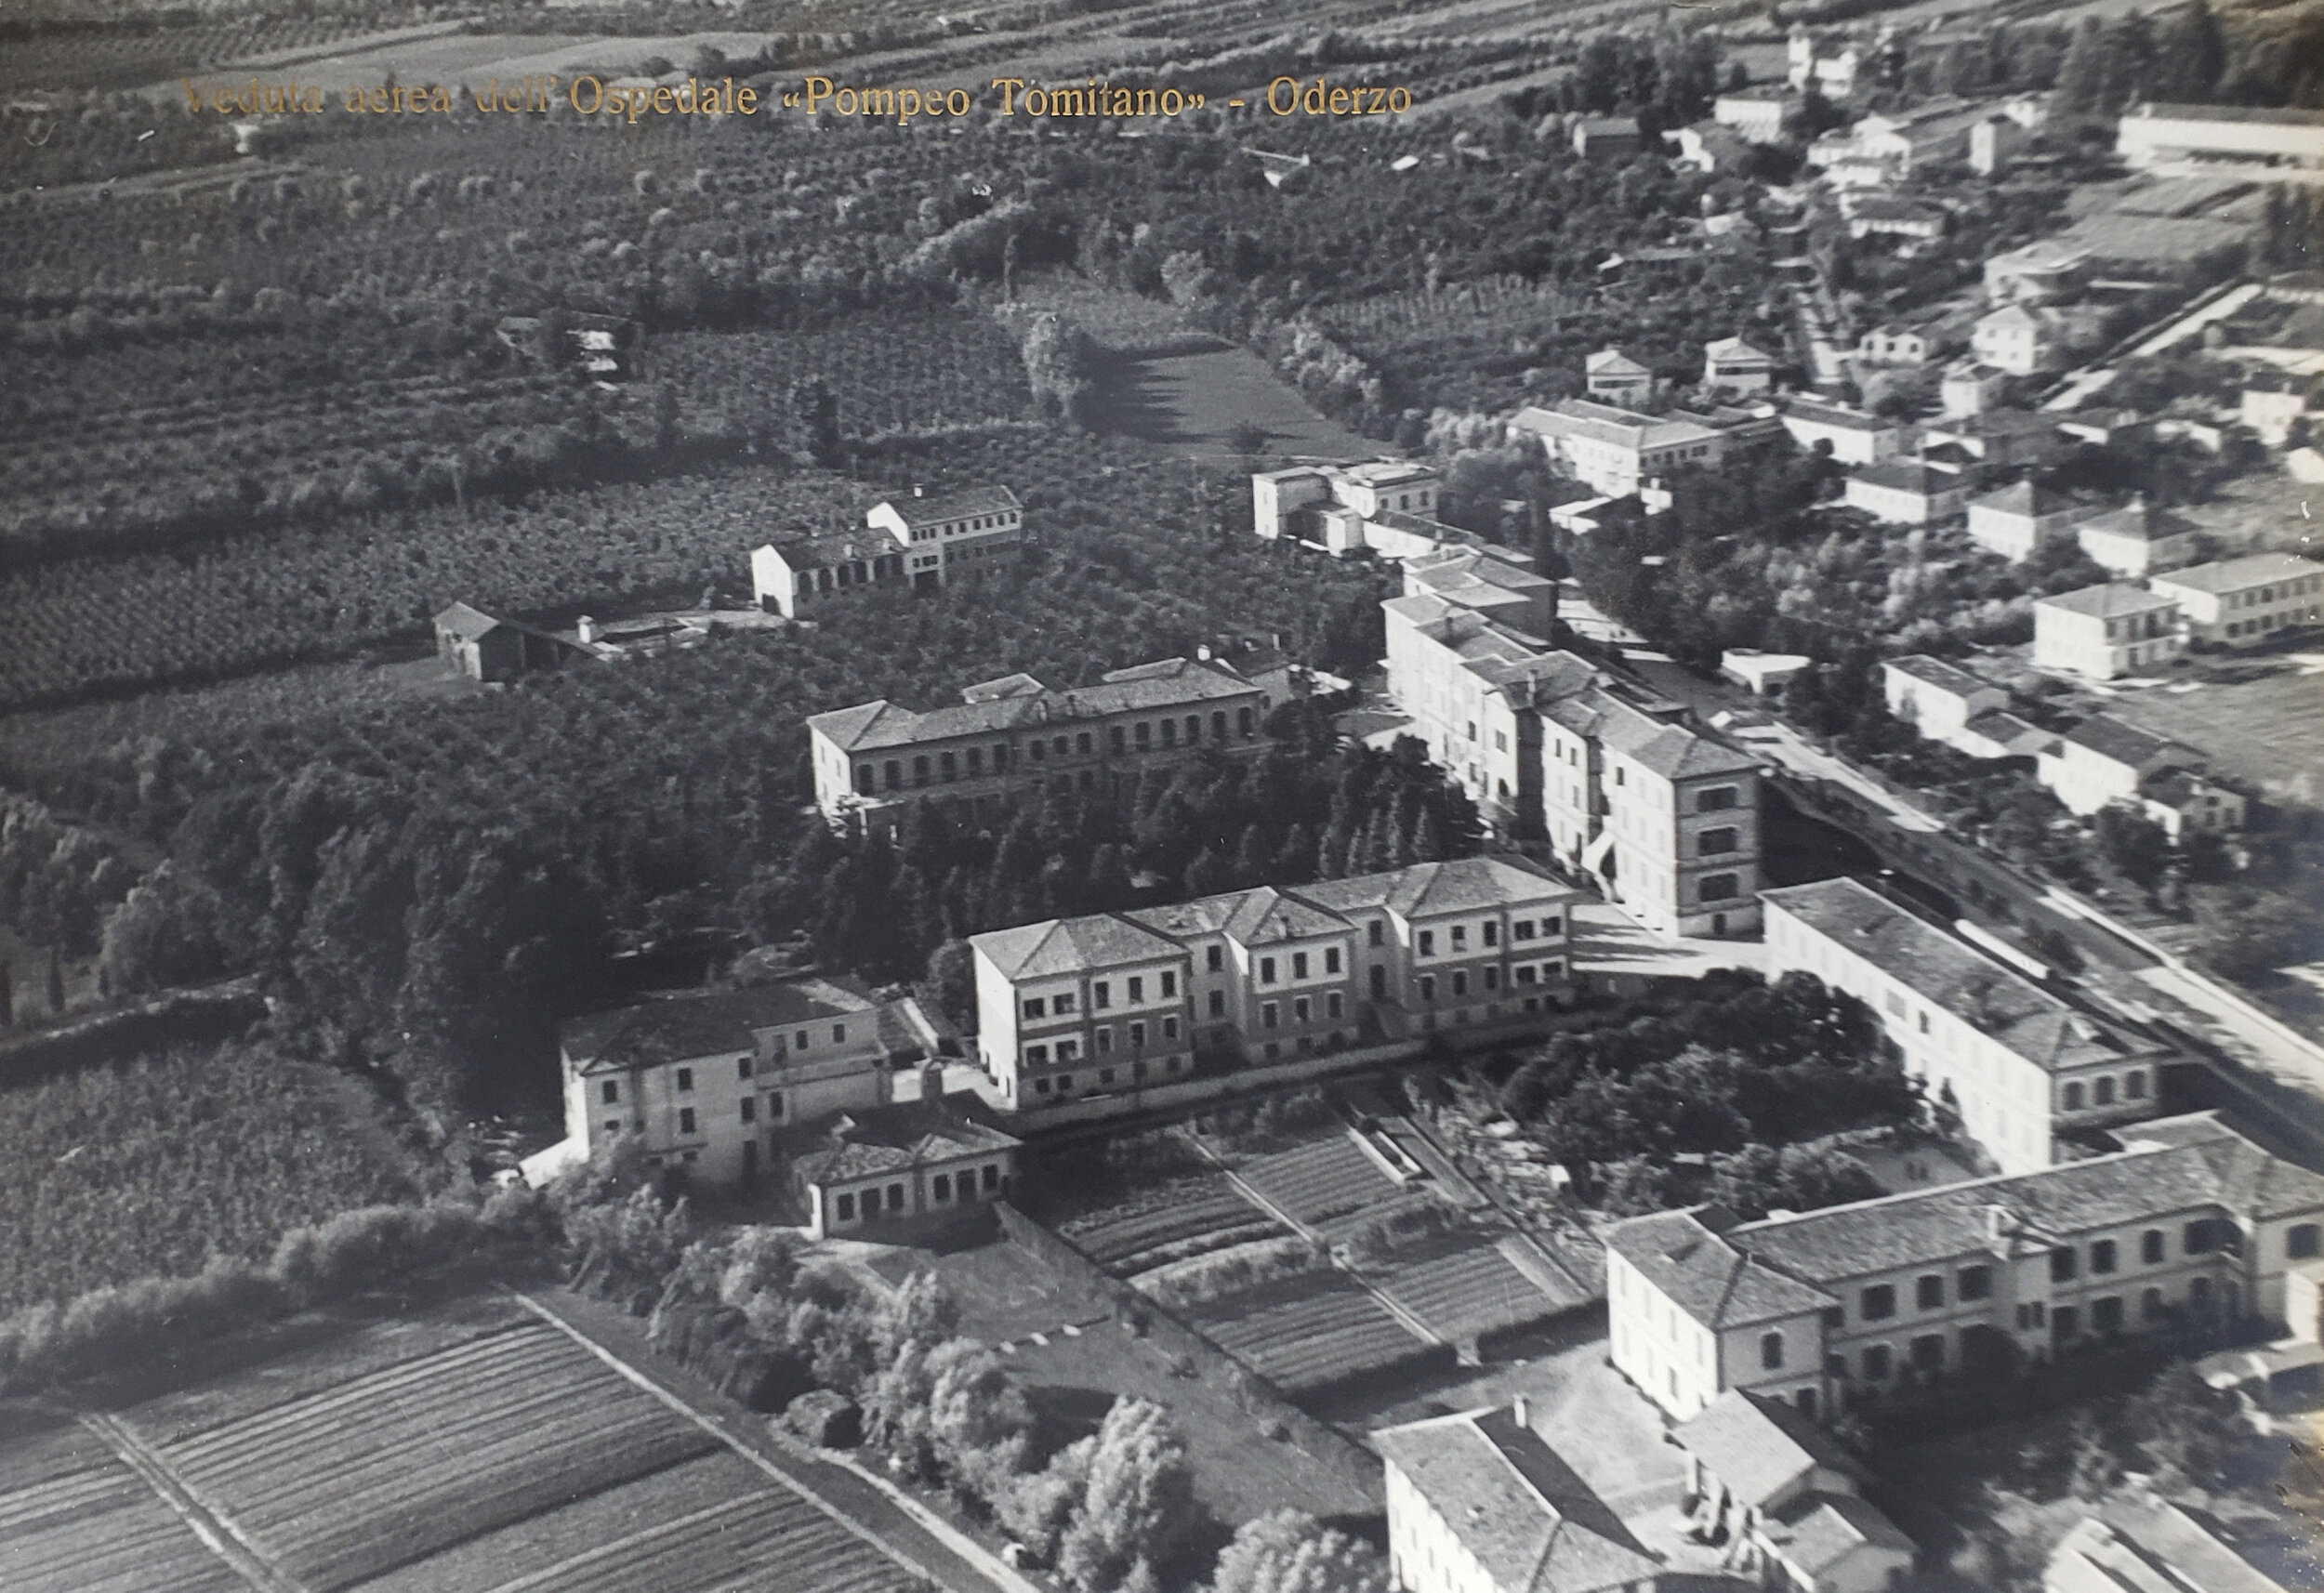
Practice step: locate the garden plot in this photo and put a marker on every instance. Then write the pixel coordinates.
(1464, 1287)
(1328, 1185)
(1311, 1332)
(1164, 1223)
(74, 1519)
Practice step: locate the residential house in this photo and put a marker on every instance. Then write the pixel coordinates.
(1992, 141)
(1116, 1001)
(1614, 378)
(2023, 339)
(2020, 518)
(1785, 1497)
(2219, 140)
(1874, 215)
(1894, 343)
(1479, 1502)
(2191, 1224)
(2184, 801)
(1855, 437)
(1733, 367)
(793, 576)
(2103, 762)
(1906, 491)
(1387, 506)
(1765, 672)
(1757, 115)
(1610, 138)
(1833, 76)
(2235, 602)
(1473, 579)
(1713, 146)
(1971, 387)
(2136, 540)
(1615, 451)
(707, 1081)
(901, 1162)
(2105, 426)
(2103, 632)
(2023, 1064)
(953, 534)
(1997, 439)
(477, 645)
(1013, 735)
(2041, 273)
(2139, 1542)
(1939, 700)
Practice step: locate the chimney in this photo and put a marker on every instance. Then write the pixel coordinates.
(1998, 1224)
(1203, 652)
(1520, 1413)
(585, 629)
(918, 491)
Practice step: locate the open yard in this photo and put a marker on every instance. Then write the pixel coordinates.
(1190, 403)
(2261, 719)
(472, 1448)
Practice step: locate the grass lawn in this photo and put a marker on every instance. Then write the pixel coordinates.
(2260, 718)
(1189, 403)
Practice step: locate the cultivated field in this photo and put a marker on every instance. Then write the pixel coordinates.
(1172, 1221)
(1191, 403)
(1311, 1332)
(476, 1450)
(1463, 1286)
(2267, 729)
(1326, 1184)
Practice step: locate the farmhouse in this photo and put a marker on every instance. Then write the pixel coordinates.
(2023, 1064)
(1756, 113)
(2191, 1224)
(1479, 1502)
(954, 533)
(1120, 1001)
(1969, 387)
(1894, 343)
(1877, 216)
(2024, 338)
(2103, 762)
(1015, 734)
(1998, 439)
(483, 648)
(793, 577)
(2041, 273)
(2237, 602)
(899, 1162)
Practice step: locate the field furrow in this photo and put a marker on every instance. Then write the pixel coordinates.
(100, 1530)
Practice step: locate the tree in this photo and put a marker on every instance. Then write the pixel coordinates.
(951, 974)
(1289, 1551)
(56, 983)
(1758, 1179)
(2136, 845)
(1138, 1508)
(2086, 73)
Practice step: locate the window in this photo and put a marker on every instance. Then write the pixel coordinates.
(1835, 1317)
(1492, 977)
(1170, 985)
(742, 1067)
(1974, 1282)
(2301, 1243)
(1101, 994)
(1036, 1054)
(1427, 942)
(1552, 926)
(940, 1186)
(1137, 991)
(1492, 934)
(2105, 1315)
(1218, 1004)
(1298, 965)
(1331, 1004)
(1082, 744)
(798, 1041)
(2197, 1238)
(1718, 888)
(1877, 1303)
(1064, 1003)
(1521, 930)
(2150, 1247)
(1876, 1364)
(895, 1197)
(686, 1120)
(2066, 1323)
(611, 1092)
(2101, 1257)
(2074, 1097)
(2135, 1084)
(774, 1103)
(2064, 1265)
(990, 1177)
(1928, 1291)
(1137, 1034)
(1716, 799)
(1033, 1008)
(844, 1209)
(1713, 842)
(1269, 1013)
(1068, 1049)
(749, 1109)
(1105, 1039)
(919, 771)
(1300, 1010)
(2101, 1093)
(1169, 1028)
(1214, 958)
(1771, 1352)
(1460, 937)
(613, 1125)
(1331, 959)
(1379, 983)
(2151, 1305)
(1266, 970)
(1428, 986)
(1376, 931)
(1928, 1351)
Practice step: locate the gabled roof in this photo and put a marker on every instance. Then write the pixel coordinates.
(953, 506)
(2236, 574)
(2022, 499)
(1762, 1448)
(1266, 914)
(872, 1140)
(1614, 363)
(1820, 1531)
(1523, 1512)
(704, 1023)
(1068, 945)
(1664, 746)
(2127, 744)
(1734, 351)
(2112, 601)
(466, 623)
(1018, 700)
(1683, 1255)
(1609, 127)
(1914, 476)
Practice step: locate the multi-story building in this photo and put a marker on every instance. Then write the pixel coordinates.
(2102, 632)
(2237, 602)
(1971, 388)
(2022, 1064)
(2191, 1223)
(1879, 216)
(1014, 734)
(2041, 273)
(1612, 377)
(1906, 491)
(1937, 699)
(1478, 1502)
(1676, 832)
(1733, 367)
(707, 1081)
(2221, 138)
(951, 534)
(1472, 578)
(1387, 506)
(2135, 540)
(1855, 438)
(1756, 113)
(1894, 343)
(1471, 685)
(1115, 1002)
(1997, 439)
(1786, 1499)
(2023, 339)
(2018, 520)
(1614, 451)
(2102, 762)
(794, 577)
(1832, 76)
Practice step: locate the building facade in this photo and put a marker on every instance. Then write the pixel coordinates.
(1937, 699)
(2235, 602)
(1733, 368)
(1855, 438)
(1906, 491)
(2220, 139)
(2102, 762)
(2107, 631)
(951, 534)
(792, 578)
(2190, 1225)
(904, 1163)
(1673, 825)
(1611, 377)
(2018, 520)
(1387, 506)
(1615, 451)
(2022, 1064)
(1070, 1008)
(2135, 540)
(872, 762)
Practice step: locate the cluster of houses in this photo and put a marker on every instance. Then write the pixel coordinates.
(2126, 628)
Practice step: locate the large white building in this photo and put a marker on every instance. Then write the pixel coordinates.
(1611, 377)
(1115, 1002)
(1387, 506)
(2103, 762)
(2230, 139)
(2135, 540)
(951, 533)
(1615, 451)
(796, 576)
(2018, 520)
(1013, 735)
(2023, 1064)
(1855, 437)
(2235, 602)
(1478, 1502)
(2102, 632)
(2191, 1224)
(1906, 491)
(1490, 585)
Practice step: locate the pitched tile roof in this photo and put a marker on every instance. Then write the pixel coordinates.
(2110, 601)
(878, 1140)
(1835, 415)
(1530, 1520)
(466, 623)
(2151, 1545)
(2125, 743)
(1068, 945)
(1949, 973)
(1685, 1255)
(1010, 702)
(1760, 1448)
(1908, 476)
(955, 506)
(1818, 1532)
(1614, 361)
(2025, 500)
(1664, 746)
(2235, 574)
(703, 1023)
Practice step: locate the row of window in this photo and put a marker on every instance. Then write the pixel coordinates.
(940, 1192)
(689, 1124)
(1101, 997)
(1926, 1352)
(2273, 622)
(1102, 1040)
(1525, 973)
(2101, 1091)
(1063, 1084)
(972, 764)
(962, 527)
(854, 574)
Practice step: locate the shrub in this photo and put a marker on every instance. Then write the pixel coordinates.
(1231, 1271)
(1384, 1236)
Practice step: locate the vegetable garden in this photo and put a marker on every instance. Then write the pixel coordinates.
(74, 1518)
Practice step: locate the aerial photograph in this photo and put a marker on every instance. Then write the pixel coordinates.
(1162, 796)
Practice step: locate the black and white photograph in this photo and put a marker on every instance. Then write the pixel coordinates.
(1161, 797)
